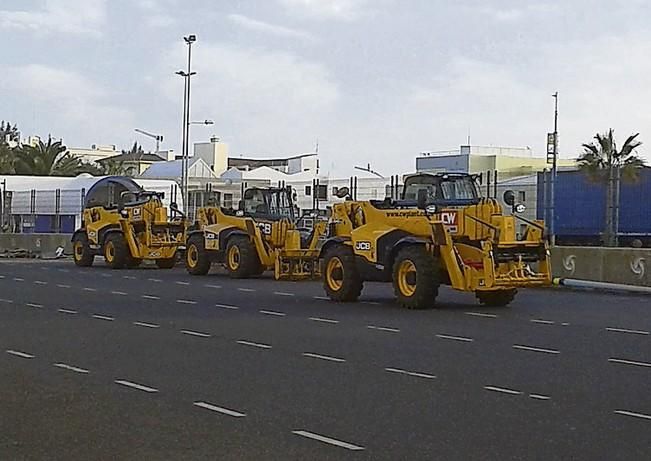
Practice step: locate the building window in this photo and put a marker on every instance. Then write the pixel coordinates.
(228, 200)
(308, 190)
(322, 192)
(522, 196)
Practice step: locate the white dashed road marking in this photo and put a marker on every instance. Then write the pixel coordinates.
(180, 282)
(195, 333)
(535, 349)
(40, 282)
(102, 317)
(324, 439)
(630, 362)
(227, 306)
(8, 301)
(140, 387)
(455, 338)
(120, 293)
(246, 290)
(18, 279)
(323, 357)
(410, 373)
(212, 286)
(70, 368)
(502, 389)
(128, 277)
(624, 330)
(67, 311)
(282, 293)
(391, 330)
(185, 301)
(222, 410)
(252, 344)
(321, 298)
(632, 413)
(278, 314)
(319, 319)
(89, 289)
(146, 325)
(150, 297)
(544, 322)
(539, 396)
(37, 306)
(23, 355)
(482, 314)
(155, 280)
(62, 285)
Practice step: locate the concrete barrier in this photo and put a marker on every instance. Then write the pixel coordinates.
(626, 266)
(43, 245)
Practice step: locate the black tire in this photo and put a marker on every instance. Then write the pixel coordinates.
(116, 251)
(416, 278)
(341, 279)
(82, 254)
(166, 263)
(241, 259)
(197, 260)
(498, 298)
(132, 263)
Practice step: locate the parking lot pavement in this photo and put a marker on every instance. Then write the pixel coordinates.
(151, 364)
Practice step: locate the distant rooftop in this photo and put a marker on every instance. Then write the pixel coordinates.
(134, 157)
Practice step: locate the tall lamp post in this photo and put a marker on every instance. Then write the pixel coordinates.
(552, 157)
(189, 40)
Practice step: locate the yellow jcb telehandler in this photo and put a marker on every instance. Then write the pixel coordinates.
(260, 235)
(440, 232)
(127, 225)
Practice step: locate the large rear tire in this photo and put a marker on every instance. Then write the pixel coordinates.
(166, 263)
(341, 280)
(241, 258)
(82, 253)
(116, 251)
(197, 261)
(416, 278)
(498, 298)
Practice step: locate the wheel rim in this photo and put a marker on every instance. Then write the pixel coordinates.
(193, 256)
(79, 250)
(406, 274)
(234, 258)
(110, 252)
(335, 265)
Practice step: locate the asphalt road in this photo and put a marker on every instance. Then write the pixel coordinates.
(157, 364)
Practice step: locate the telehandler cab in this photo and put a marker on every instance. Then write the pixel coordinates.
(440, 232)
(127, 225)
(260, 235)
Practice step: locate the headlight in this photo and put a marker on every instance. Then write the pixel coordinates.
(519, 208)
(431, 209)
(124, 213)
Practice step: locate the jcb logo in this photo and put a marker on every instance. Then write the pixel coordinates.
(449, 218)
(265, 228)
(363, 246)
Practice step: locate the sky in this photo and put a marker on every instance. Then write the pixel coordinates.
(372, 81)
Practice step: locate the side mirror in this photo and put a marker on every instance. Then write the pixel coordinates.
(343, 192)
(509, 197)
(421, 199)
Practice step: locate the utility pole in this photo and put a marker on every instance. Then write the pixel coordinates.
(189, 40)
(552, 157)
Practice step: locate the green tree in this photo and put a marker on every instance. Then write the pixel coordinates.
(111, 167)
(8, 133)
(7, 158)
(136, 150)
(47, 159)
(602, 162)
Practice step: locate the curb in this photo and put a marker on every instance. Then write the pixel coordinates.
(605, 286)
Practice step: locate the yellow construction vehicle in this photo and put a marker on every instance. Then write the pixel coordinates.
(260, 235)
(127, 225)
(440, 232)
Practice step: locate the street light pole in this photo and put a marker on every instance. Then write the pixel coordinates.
(185, 154)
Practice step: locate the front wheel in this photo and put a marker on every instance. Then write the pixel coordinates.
(341, 280)
(197, 261)
(116, 251)
(498, 298)
(166, 263)
(415, 278)
(241, 258)
(82, 253)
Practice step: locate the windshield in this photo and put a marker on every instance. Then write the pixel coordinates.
(268, 203)
(441, 188)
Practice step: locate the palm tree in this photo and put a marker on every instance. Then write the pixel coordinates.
(47, 159)
(603, 163)
(114, 168)
(7, 158)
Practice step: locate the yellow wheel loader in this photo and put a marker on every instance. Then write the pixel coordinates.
(440, 232)
(260, 235)
(127, 225)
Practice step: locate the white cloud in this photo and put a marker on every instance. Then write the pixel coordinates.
(273, 29)
(74, 106)
(66, 16)
(265, 101)
(160, 20)
(326, 9)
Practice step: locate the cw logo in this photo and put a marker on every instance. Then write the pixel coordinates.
(569, 264)
(638, 267)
